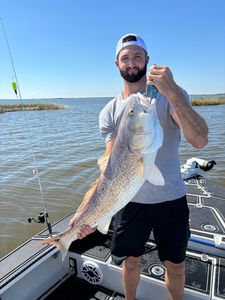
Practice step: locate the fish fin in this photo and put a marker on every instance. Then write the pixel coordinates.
(141, 170)
(147, 164)
(151, 171)
(61, 244)
(103, 227)
(142, 173)
(103, 162)
(155, 176)
(87, 198)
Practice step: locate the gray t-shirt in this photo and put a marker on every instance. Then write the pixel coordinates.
(167, 159)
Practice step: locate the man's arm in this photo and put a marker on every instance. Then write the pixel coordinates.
(109, 146)
(191, 123)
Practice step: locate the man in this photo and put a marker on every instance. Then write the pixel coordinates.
(162, 209)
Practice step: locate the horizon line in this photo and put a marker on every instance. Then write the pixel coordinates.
(91, 97)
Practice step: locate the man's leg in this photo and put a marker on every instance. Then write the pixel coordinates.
(171, 235)
(131, 276)
(175, 279)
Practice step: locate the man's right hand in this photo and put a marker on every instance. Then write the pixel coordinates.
(84, 230)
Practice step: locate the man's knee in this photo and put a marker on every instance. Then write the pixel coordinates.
(175, 269)
(132, 263)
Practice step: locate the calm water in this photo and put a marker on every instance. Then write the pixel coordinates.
(66, 144)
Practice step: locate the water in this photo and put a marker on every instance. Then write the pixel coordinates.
(66, 144)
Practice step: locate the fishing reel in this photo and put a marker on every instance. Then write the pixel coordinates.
(42, 218)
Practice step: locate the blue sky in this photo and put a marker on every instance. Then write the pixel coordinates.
(67, 48)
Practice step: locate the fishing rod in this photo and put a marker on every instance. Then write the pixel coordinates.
(216, 243)
(43, 216)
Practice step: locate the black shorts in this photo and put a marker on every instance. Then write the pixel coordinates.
(168, 220)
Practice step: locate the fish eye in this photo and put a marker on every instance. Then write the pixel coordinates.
(131, 112)
(57, 240)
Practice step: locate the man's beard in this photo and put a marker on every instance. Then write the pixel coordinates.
(133, 77)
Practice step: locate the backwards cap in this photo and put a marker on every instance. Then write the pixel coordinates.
(130, 39)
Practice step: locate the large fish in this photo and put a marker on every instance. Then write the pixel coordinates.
(131, 162)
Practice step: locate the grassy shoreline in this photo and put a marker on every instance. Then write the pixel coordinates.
(207, 101)
(202, 101)
(33, 106)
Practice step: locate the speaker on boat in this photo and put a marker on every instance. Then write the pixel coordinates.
(92, 272)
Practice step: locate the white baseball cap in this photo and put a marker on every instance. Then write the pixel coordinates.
(130, 39)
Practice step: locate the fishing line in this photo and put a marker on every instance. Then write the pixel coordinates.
(16, 88)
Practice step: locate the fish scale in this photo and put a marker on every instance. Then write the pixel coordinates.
(122, 175)
(122, 179)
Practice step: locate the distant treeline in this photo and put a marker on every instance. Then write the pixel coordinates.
(33, 106)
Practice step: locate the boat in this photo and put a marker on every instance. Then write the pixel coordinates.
(36, 271)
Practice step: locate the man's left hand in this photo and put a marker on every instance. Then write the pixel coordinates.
(162, 78)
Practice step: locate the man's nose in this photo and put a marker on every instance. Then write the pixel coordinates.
(131, 63)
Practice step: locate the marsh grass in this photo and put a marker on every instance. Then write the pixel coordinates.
(33, 106)
(207, 101)
(46, 106)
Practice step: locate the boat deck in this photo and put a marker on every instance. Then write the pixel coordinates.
(207, 213)
(88, 272)
(83, 290)
(201, 270)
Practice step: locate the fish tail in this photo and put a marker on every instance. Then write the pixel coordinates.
(53, 241)
(61, 244)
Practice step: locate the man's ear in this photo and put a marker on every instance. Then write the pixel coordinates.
(117, 63)
(147, 59)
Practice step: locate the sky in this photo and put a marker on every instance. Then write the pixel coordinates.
(67, 48)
